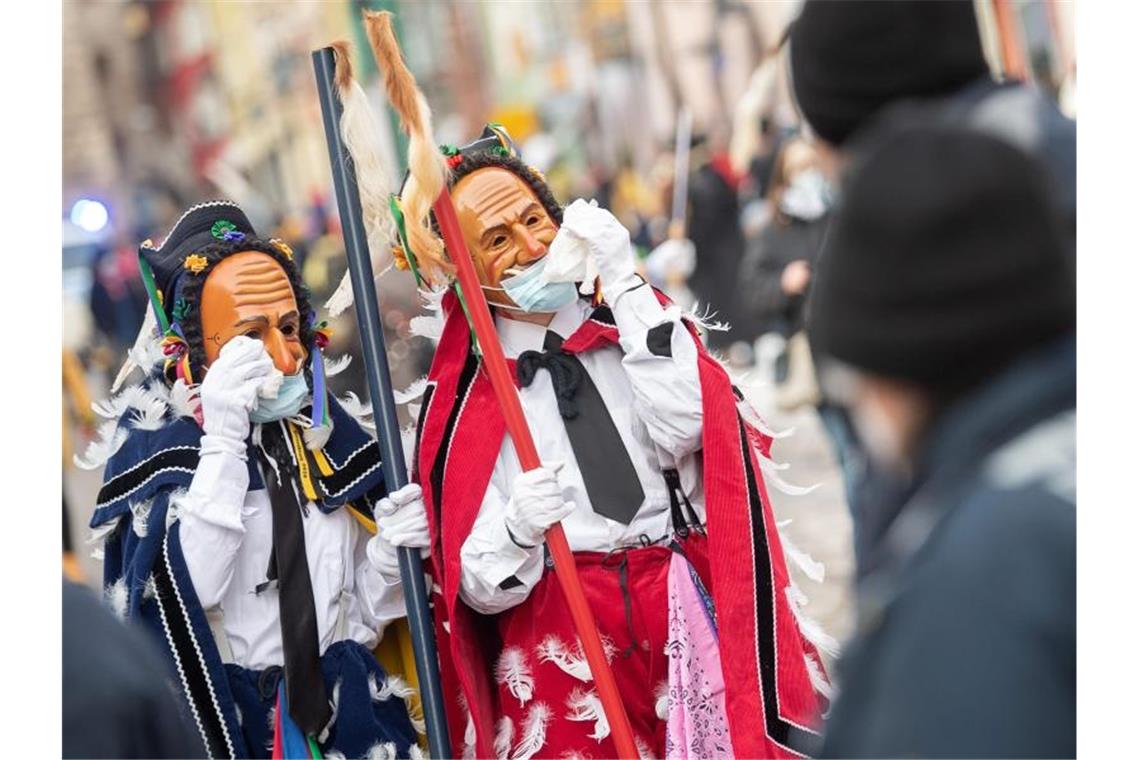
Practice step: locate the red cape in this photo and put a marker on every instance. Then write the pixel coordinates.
(461, 432)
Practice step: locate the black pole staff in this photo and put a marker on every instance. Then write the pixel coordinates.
(380, 391)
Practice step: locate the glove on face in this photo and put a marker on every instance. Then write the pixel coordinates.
(536, 503)
(229, 393)
(608, 244)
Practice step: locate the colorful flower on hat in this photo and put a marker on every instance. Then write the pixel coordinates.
(322, 334)
(222, 228)
(195, 263)
(282, 246)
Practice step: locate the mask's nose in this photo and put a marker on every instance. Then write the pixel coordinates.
(532, 248)
(281, 353)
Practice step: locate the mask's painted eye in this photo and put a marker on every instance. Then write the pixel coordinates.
(499, 241)
(533, 220)
(288, 330)
(254, 333)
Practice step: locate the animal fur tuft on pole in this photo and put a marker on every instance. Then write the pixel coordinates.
(361, 133)
(427, 170)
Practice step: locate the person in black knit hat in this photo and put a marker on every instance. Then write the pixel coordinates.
(944, 320)
(858, 64)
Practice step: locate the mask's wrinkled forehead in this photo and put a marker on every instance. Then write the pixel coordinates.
(258, 280)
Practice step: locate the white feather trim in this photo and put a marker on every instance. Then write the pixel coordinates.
(704, 319)
(414, 753)
(804, 561)
(552, 649)
(110, 438)
(140, 512)
(533, 732)
(504, 737)
(643, 750)
(469, 736)
(184, 400)
(811, 630)
(150, 414)
(818, 680)
(393, 686)
(116, 596)
(334, 702)
(335, 366)
(150, 588)
(772, 478)
(138, 355)
(430, 324)
(332, 754)
(513, 672)
(97, 538)
(661, 700)
(382, 751)
(586, 706)
(412, 392)
(752, 417)
(358, 410)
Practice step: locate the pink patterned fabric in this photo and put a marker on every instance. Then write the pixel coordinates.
(698, 722)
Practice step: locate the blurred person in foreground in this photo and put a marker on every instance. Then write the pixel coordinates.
(858, 63)
(237, 502)
(116, 700)
(944, 321)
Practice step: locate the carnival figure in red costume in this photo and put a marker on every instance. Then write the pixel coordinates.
(652, 464)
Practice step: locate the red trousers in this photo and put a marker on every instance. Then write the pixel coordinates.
(545, 690)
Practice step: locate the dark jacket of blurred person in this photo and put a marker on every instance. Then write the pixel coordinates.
(775, 274)
(714, 228)
(958, 367)
(116, 700)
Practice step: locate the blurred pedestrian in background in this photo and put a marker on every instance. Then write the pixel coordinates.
(944, 318)
(776, 271)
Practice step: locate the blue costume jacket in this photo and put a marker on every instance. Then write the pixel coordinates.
(231, 706)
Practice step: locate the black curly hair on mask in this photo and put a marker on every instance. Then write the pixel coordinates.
(491, 159)
(189, 315)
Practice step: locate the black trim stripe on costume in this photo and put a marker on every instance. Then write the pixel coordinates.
(605, 315)
(195, 679)
(784, 733)
(126, 483)
(466, 381)
(358, 465)
(429, 391)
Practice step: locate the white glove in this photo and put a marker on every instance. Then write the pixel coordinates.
(229, 393)
(401, 520)
(607, 242)
(536, 503)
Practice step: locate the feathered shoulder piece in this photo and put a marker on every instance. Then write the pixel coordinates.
(148, 441)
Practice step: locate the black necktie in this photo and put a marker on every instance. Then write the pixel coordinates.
(304, 684)
(611, 481)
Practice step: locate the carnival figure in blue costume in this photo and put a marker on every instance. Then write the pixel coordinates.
(237, 505)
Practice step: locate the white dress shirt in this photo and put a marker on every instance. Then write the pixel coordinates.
(226, 537)
(655, 402)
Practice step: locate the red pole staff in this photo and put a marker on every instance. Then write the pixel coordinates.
(564, 567)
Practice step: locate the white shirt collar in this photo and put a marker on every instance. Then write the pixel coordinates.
(518, 336)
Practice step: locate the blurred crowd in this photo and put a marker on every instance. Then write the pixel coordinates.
(895, 253)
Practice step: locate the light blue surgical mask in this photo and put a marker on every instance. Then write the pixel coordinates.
(533, 294)
(291, 396)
